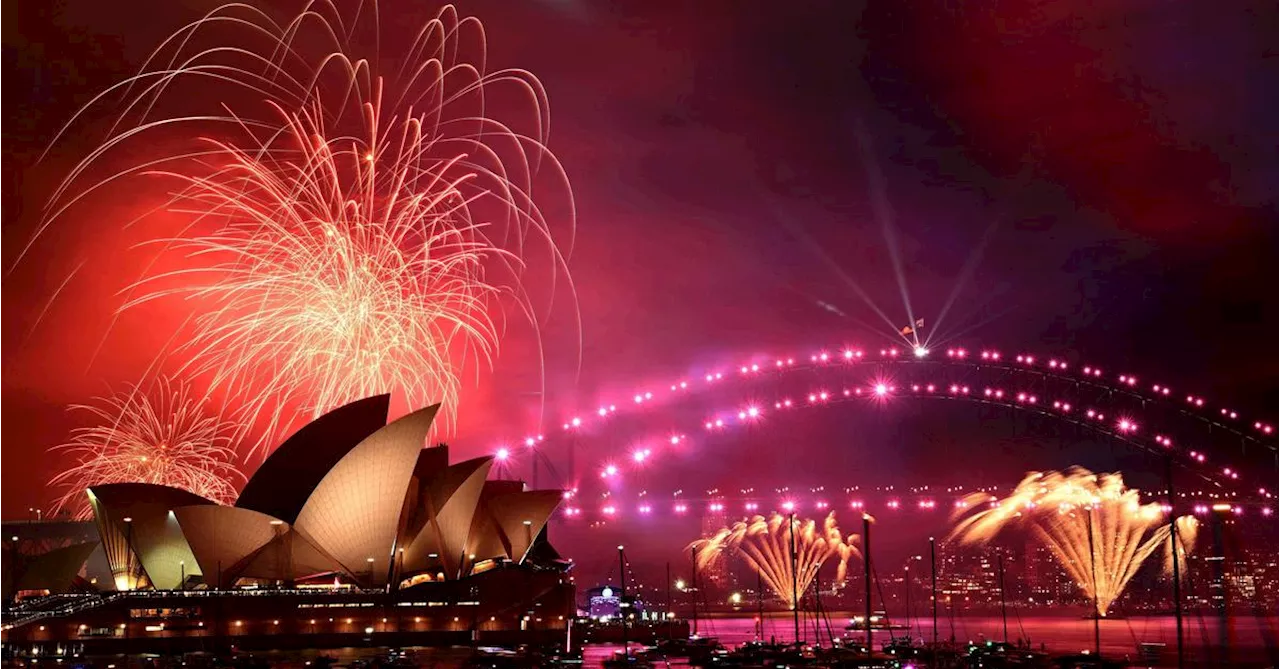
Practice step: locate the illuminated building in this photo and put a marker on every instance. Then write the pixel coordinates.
(713, 577)
(350, 515)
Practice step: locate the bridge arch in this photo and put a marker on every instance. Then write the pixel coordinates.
(1193, 431)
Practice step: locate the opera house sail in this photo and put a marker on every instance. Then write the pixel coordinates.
(350, 512)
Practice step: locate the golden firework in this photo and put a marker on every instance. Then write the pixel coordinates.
(165, 436)
(1095, 527)
(765, 544)
(351, 224)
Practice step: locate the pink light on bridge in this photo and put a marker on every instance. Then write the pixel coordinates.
(788, 506)
(609, 471)
(680, 508)
(917, 386)
(502, 454)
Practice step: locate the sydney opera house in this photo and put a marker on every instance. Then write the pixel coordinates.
(351, 531)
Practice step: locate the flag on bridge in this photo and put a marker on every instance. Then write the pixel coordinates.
(907, 329)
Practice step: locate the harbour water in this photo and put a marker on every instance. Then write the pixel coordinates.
(1251, 641)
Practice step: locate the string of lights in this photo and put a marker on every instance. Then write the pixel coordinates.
(1025, 377)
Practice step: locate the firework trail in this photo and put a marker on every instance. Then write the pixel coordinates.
(352, 225)
(1064, 509)
(765, 545)
(164, 436)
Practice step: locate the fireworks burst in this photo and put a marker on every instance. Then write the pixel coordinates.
(1098, 530)
(163, 437)
(765, 545)
(347, 231)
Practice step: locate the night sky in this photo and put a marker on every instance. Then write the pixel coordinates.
(1088, 177)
